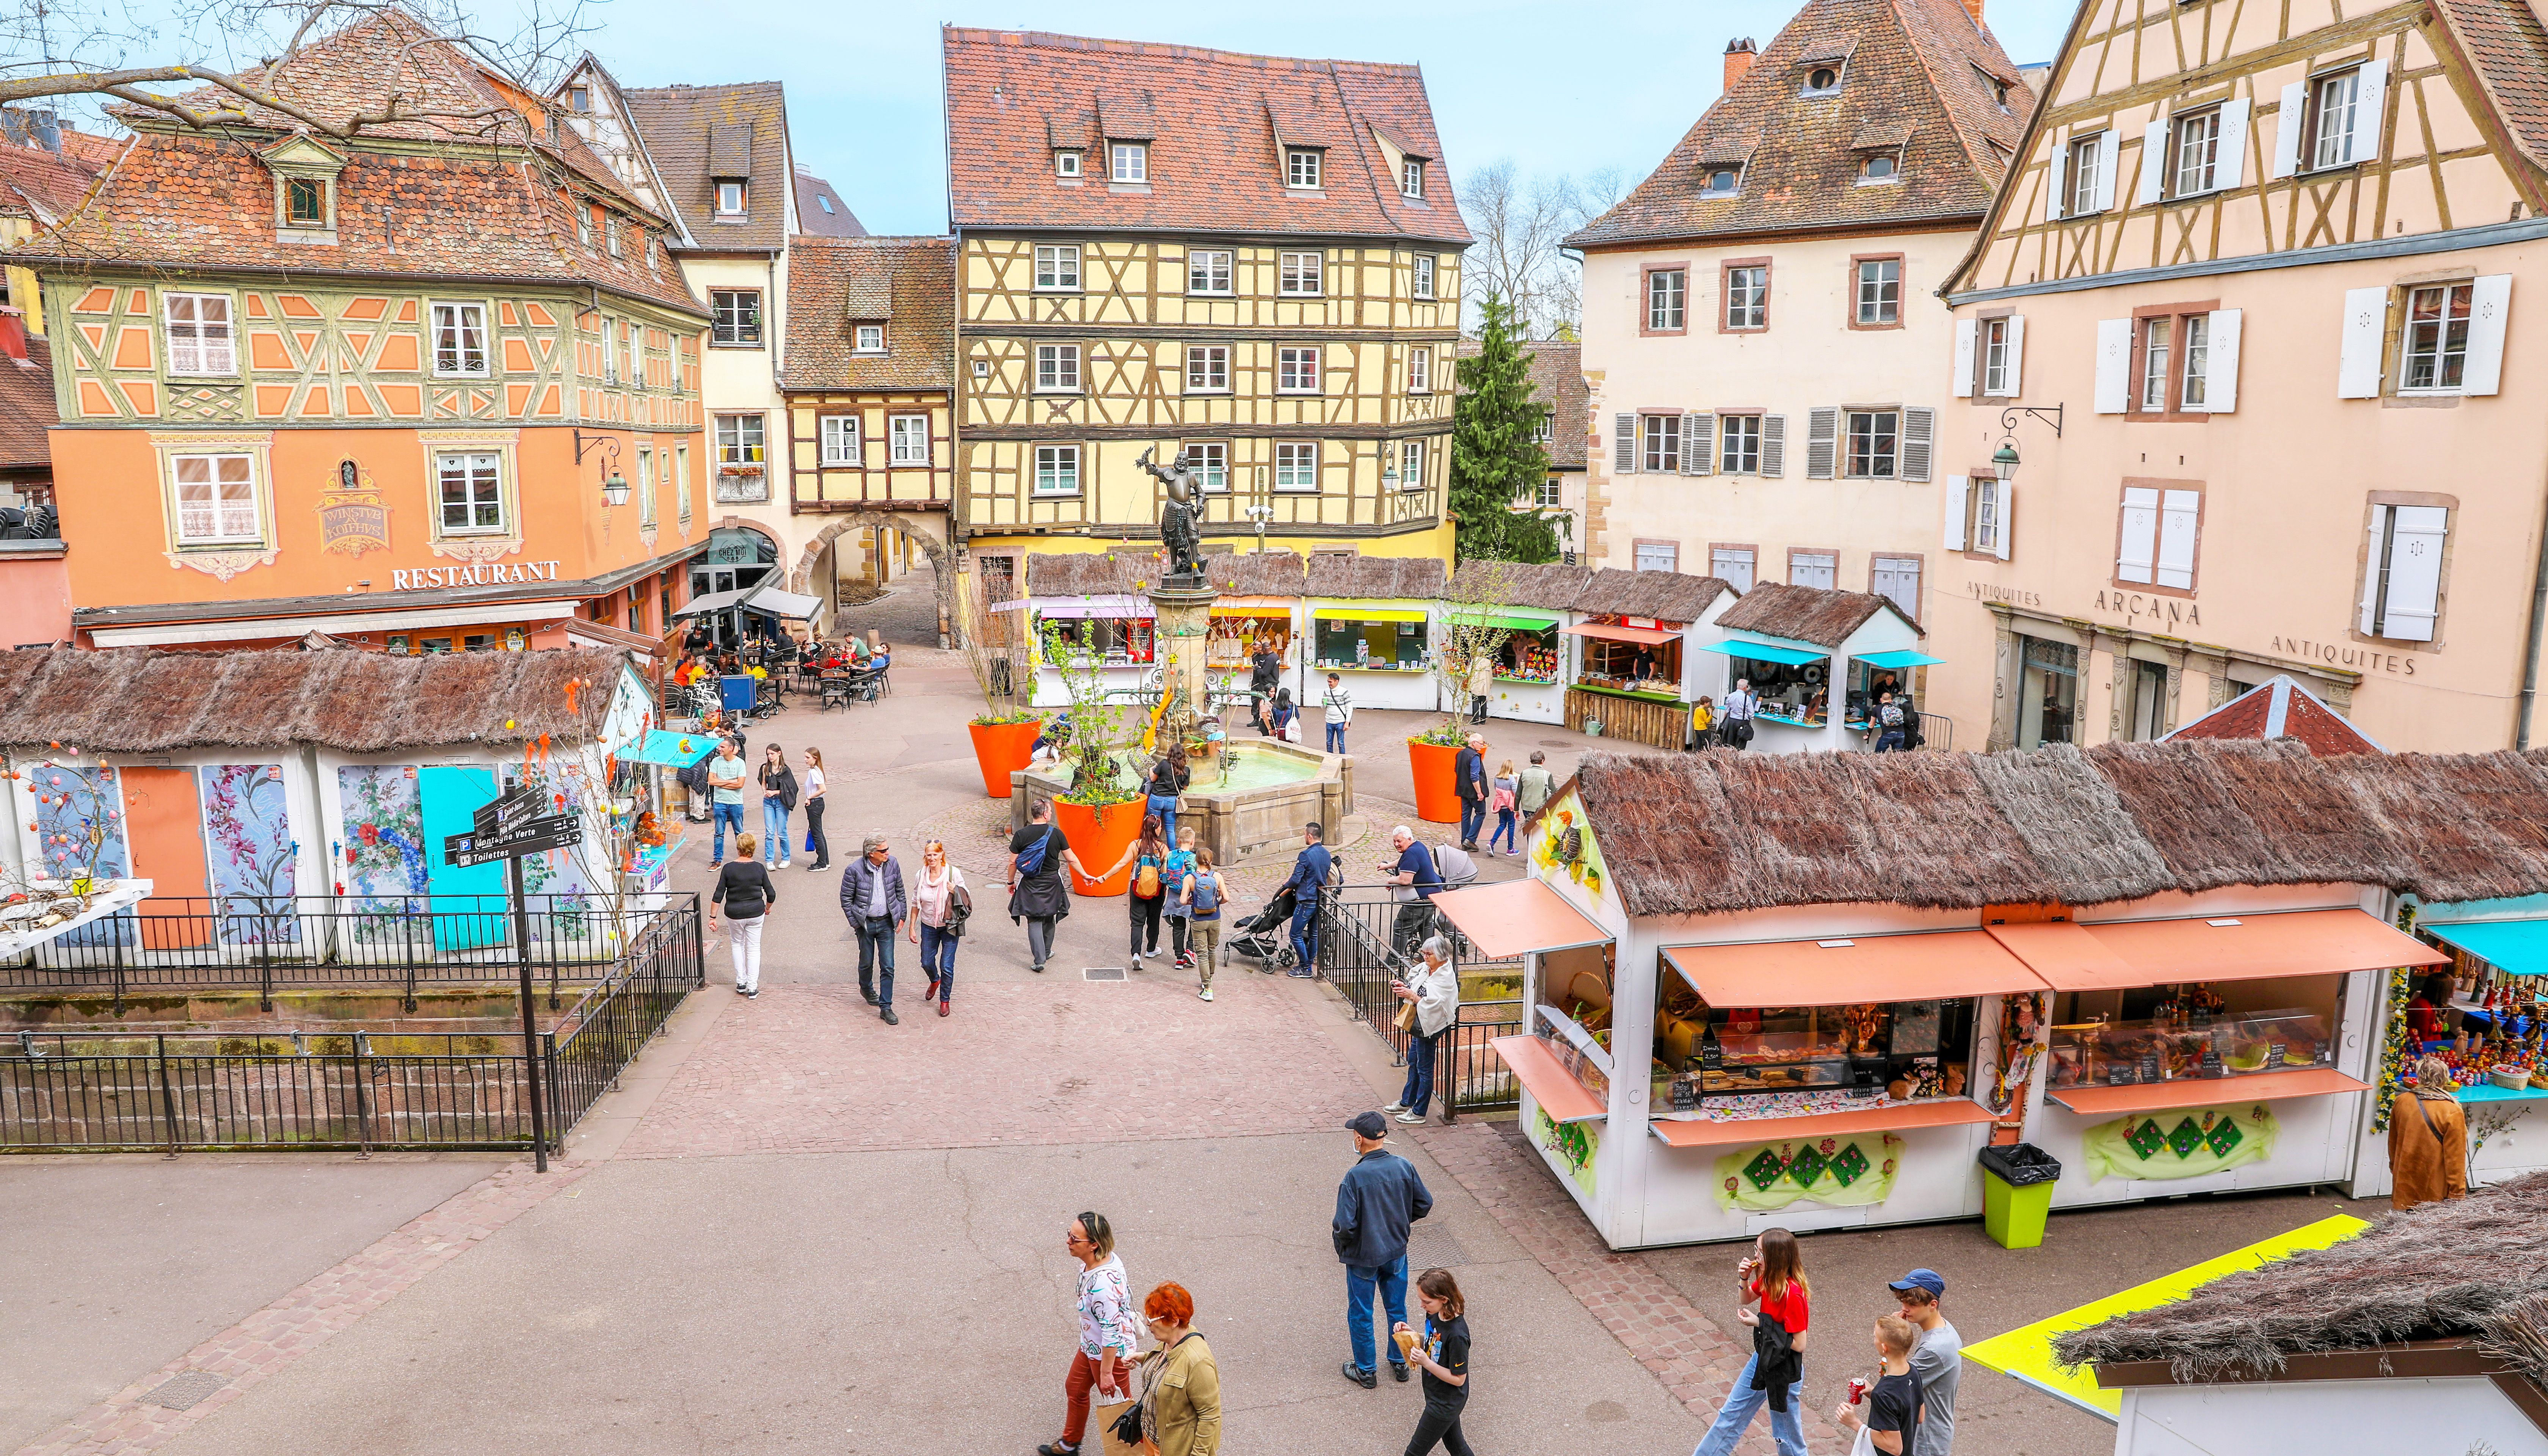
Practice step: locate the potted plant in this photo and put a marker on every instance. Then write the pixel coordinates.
(1100, 814)
(1470, 601)
(1004, 731)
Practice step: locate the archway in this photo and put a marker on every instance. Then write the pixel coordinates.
(926, 528)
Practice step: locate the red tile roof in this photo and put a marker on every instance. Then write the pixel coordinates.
(41, 186)
(1213, 119)
(2507, 46)
(27, 408)
(1556, 368)
(2281, 708)
(701, 135)
(1913, 78)
(908, 283)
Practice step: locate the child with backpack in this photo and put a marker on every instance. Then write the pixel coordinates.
(1147, 855)
(1202, 896)
(1504, 800)
(1180, 864)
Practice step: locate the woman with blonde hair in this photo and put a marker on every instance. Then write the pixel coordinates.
(1107, 1336)
(1773, 1284)
(940, 904)
(1180, 1379)
(2428, 1139)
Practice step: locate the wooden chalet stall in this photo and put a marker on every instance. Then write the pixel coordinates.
(1531, 606)
(1372, 622)
(1638, 667)
(1814, 986)
(1800, 647)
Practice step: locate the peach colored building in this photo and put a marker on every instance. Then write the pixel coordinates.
(2259, 266)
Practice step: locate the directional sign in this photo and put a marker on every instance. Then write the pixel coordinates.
(530, 837)
(512, 809)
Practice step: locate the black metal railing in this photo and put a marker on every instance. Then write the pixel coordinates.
(95, 1089)
(1366, 939)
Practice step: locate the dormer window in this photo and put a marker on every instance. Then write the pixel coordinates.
(730, 198)
(1128, 161)
(1411, 177)
(304, 190)
(1822, 80)
(578, 99)
(1304, 167)
(1722, 182)
(305, 201)
(1066, 162)
(871, 338)
(1883, 166)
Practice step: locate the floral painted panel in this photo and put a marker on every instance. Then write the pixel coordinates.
(248, 845)
(79, 830)
(382, 854)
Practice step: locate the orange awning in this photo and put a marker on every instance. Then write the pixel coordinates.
(1944, 1112)
(2104, 1101)
(2067, 955)
(1551, 1085)
(2220, 948)
(1648, 636)
(1506, 920)
(1848, 970)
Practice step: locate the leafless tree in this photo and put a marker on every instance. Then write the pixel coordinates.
(1521, 225)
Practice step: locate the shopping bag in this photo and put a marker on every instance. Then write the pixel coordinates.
(1101, 1422)
(1292, 731)
(809, 841)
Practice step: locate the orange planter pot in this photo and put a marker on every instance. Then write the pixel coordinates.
(1437, 788)
(1002, 749)
(1099, 837)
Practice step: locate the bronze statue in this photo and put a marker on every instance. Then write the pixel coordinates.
(1179, 519)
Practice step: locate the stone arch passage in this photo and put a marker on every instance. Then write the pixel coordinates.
(927, 527)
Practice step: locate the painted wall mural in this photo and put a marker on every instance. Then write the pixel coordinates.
(248, 834)
(79, 830)
(382, 853)
(1565, 850)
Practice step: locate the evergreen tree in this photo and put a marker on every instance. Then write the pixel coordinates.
(1496, 454)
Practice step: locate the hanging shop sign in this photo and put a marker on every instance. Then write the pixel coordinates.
(351, 518)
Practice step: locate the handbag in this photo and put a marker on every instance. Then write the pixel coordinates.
(959, 908)
(1407, 1017)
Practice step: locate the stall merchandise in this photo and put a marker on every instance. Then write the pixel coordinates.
(1820, 662)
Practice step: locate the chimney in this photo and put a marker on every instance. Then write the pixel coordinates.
(1975, 5)
(48, 130)
(1739, 55)
(13, 336)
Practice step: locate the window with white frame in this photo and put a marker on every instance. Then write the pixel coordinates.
(1302, 166)
(2435, 347)
(1209, 462)
(470, 491)
(1065, 162)
(2401, 582)
(870, 338)
(2156, 539)
(1665, 298)
(1410, 465)
(1295, 369)
(1732, 565)
(215, 500)
(2158, 342)
(1207, 270)
(609, 352)
(1874, 443)
(459, 339)
(1662, 442)
(1423, 288)
(1658, 556)
(1545, 432)
(1128, 162)
(1419, 370)
(1746, 296)
(200, 340)
(2087, 169)
(1296, 465)
(1995, 341)
(1057, 470)
(1056, 268)
(1721, 182)
(739, 440)
(729, 198)
(1207, 369)
(2194, 366)
(644, 488)
(2333, 105)
(1550, 493)
(610, 232)
(1411, 177)
(1816, 569)
(1739, 444)
(1879, 291)
(841, 440)
(735, 315)
(1896, 579)
(2195, 143)
(908, 435)
(1303, 275)
(1057, 369)
(628, 353)
(1987, 515)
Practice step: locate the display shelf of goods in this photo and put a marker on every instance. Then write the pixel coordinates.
(1532, 665)
(2189, 1038)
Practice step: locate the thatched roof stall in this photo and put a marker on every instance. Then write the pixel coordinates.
(1376, 578)
(1815, 614)
(1127, 571)
(1549, 586)
(1666, 597)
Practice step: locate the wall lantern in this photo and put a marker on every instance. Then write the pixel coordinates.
(2005, 462)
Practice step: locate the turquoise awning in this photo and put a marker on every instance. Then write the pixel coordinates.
(2519, 947)
(1763, 652)
(660, 747)
(1897, 660)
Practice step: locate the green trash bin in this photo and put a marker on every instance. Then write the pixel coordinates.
(2017, 1192)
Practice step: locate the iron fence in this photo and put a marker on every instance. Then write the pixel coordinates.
(102, 1089)
(1367, 938)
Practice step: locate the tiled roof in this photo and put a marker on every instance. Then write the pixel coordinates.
(1013, 96)
(26, 407)
(41, 186)
(2507, 45)
(1556, 385)
(834, 283)
(821, 211)
(699, 135)
(1909, 75)
(2281, 708)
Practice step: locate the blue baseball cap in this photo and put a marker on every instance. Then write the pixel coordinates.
(1920, 1279)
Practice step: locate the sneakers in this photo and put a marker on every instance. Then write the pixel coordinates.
(740, 991)
(751, 996)
(1205, 993)
(1394, 1108)
(1368, 1379)
(890, 1019)
(811, 867)
(1412, 1119)
(1057, 1448)
(1298, 974)
(717, 864)
(784, 865)
(1137, 956)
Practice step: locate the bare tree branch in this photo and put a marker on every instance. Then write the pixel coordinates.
(1521, 227)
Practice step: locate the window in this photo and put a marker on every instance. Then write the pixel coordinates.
(1410, 178)
(1662, 442)
(583, 225)
(472, 493)
(1550, 493)
(1057, 470)
(1987, 502)
(1998, 356)
(1816, 569)
(1879, 291)
(578, 99)
(1666, 292)
(2155, 337)
(1208, 272)
(1546, 431)
(823, 202)
(1884, 166)
(645, 504)
(2196, 350)
(737, 315)
(2332, 107)
(1423, 288)
(610, 232)
(1722, 182)
(1303, 275)
(1896, 579)
(2174, 360)
(1058, 268)
(1207, 368)
(2156, 542)
(841, 440)
(1410, 465)
(2195, 142)
(1295, 466)
(908, 437)
(1739, 444)
(680, 489)
(1746, 296)
(1128, 161)
(1301, 166)
(305, 201)
(199, 334)
(729, 202)
(1822, 80)
(1295, 369)
(738, 438)
(215, 500)
(1419, 370)
(628, 352)
(2401, 579)
(871, 338)
(1058, 369)
(2087, 173)
(2437, 336)
(1874, 443)
(1211, 462)
(1066, 162)
(2047, 704)
(459, 339)
(1732, 565)
(1658, 556)
(2149, 701)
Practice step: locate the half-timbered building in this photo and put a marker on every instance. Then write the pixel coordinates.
(2239, 393)
(1249, 262)
(432, 385)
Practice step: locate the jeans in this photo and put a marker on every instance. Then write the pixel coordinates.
(814, 832)
(743, 937)
(1146, 922)
(1165, 806)
(1889, 741)
(1413, 923)
(1476, 708)
(1387, 1281)
(938, 960)
(1504, 824)
(1304, 937)
(1418, 1092)
(774, 838)
(875, 957)
(1473, 820)
(1439, 1426)
(1335, 738)
(722, 815)
(1040, 938)
(1786, 1427)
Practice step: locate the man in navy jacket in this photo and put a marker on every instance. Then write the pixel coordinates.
(1469, 771)
(873, 902)
(1309, 877)
(1378, 1203)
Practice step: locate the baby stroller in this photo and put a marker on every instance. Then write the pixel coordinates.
(1266, 937)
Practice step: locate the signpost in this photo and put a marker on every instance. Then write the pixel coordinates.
(507, 829)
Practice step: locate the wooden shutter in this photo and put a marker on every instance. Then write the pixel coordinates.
(1959, 498)
(2113, 365)
(2374, 572)
(1919, 443)
(2154, 163)
(2288, 123)
(2414, 573)
(2489, 305)
(2180, 515)
(1822, 441)
(2007, 492)
(1962, 379)
(2109, 154)
(2366, 323)
(2138, 541)
(2220, 363)
(1697, 444)
(2231, 171)
(2055, 163)
(1623, 446)
(2370, 110)
(1773, 445)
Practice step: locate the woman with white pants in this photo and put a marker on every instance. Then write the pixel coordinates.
(742, 887)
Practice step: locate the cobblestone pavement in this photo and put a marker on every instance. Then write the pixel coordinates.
(906, 614)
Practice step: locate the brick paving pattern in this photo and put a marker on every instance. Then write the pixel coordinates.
(1695, 1360)
(263, 1344)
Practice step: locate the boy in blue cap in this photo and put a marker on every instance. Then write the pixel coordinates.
(1937, 1362)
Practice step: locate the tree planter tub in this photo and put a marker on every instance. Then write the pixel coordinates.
(1002, 749)
(1437, 787)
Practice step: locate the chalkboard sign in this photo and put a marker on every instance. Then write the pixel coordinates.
(2122, 1073)
(2275, 1052)
(2149, 1066)
(1711, 1056)
(2211, 1067)
(1685, 1094)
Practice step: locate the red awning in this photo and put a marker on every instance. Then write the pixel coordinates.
(1507, 920)
(2120, 954)
(1647, 636)
(1945, 1112)
(1551, 1085)
(1848, 970)
(2101, 1101)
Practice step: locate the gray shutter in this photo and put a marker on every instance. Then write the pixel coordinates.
(1919, 433)
(1623, 446)
(1822, 441)
(1698, 444)
(1773, 445)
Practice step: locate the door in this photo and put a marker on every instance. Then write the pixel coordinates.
(452, 794)
(164, 817)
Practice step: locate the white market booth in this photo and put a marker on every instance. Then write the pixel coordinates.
(1530, 606)
(1371, 621)
(1639, 658)
(2498, 949)
(1803, 648)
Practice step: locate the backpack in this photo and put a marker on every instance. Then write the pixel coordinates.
(1146, 881)
(1031, 858)
(1207, 894)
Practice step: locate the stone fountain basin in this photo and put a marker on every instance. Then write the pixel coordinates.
(1273, 789)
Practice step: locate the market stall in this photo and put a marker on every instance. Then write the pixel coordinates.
(1517, 612)
(1113, 631)
(1371, 621)
(659, 804)
(2496, 1037)
(1636, 673)
(1819, 661)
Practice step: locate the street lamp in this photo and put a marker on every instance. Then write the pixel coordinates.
(614, 490)
(614, 486)
(2005, 462)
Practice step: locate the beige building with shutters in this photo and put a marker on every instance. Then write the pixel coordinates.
(2241, 317)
